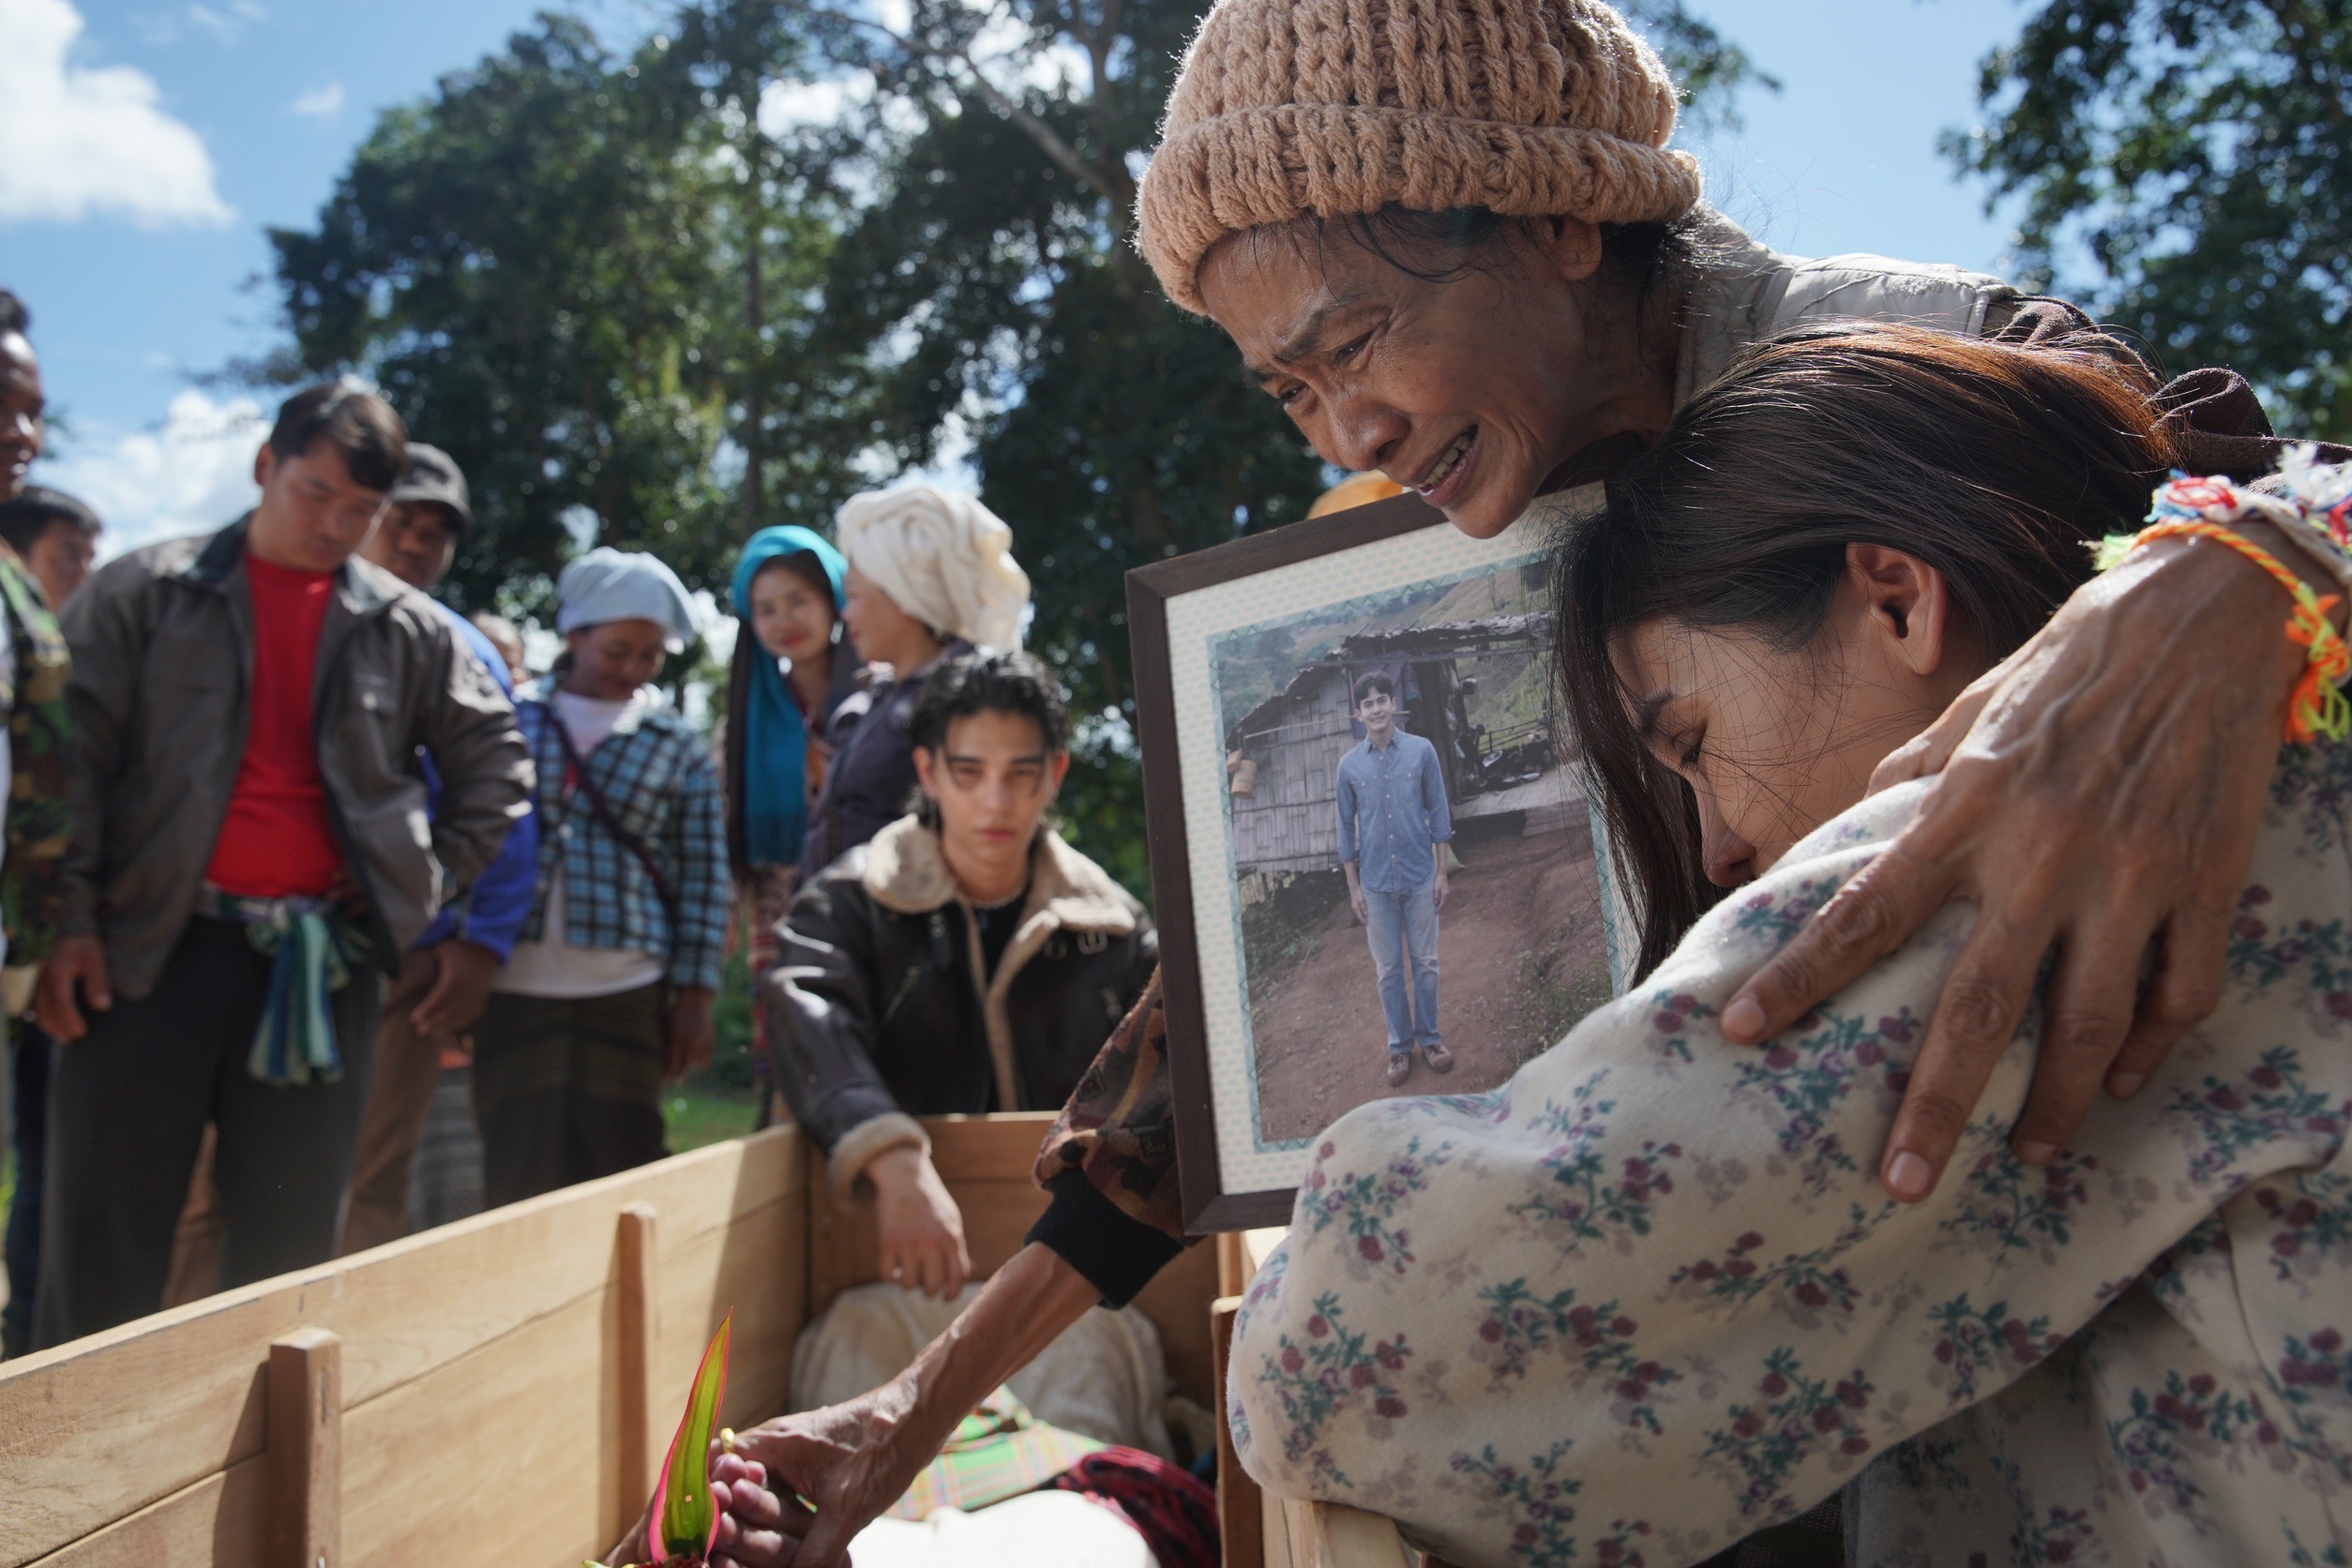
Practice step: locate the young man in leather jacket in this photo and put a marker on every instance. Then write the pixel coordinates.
(965, 960)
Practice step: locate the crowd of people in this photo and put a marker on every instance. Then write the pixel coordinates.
(1971, 1185)
(293, 844)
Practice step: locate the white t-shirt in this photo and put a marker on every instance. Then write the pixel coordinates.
(551, 966)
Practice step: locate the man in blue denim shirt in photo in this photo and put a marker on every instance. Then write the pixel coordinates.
(444, 980)
(1393, 824)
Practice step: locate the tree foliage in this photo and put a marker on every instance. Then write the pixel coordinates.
(2199, 154)
(543, 266)
(991, 285)
(595, 278)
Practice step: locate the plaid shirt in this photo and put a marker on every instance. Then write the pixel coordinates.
(656, 776)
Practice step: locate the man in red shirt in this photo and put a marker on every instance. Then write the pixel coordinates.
(252, 850)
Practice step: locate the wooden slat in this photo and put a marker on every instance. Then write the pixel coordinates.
(494, 1458)
(1177, 1303)
(638, 1444)
(1327, 1535)
(1241, 1505)
(304, 1524)
(216, 1523)
(753, 1268)
(186, 1387)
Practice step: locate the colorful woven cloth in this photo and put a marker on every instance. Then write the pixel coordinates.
(1176, 1512)
(313, 954)
(999, 1450)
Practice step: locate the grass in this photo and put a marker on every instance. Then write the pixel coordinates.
(697, 1114)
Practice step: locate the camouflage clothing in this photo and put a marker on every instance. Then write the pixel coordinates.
(39, 816)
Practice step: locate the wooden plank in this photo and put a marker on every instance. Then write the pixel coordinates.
(304, 1524)
(495, 1457)
(1177, 1303)
(498, 1456)
(754, 1268)
(1240, 1504)
(186, 1387)
(1330, 1535)
(216, 1523)
(639, 1443)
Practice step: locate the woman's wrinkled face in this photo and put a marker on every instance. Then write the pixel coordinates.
(789, 616)
(1776, 741)
(1471, 391)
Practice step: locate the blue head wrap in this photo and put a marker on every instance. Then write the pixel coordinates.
(774, 745)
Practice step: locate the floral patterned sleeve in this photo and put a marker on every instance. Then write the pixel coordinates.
(1648, 1298)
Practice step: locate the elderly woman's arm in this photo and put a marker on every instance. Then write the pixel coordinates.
(1651, 1292)
(2099, 791)
(853, 1460)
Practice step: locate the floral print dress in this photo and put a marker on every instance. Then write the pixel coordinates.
(1648, 1298)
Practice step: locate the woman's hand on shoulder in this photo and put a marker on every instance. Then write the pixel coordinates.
(2097, 792)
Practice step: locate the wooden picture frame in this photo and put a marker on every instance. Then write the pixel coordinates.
(1397, 566)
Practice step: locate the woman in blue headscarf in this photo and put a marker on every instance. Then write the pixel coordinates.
(791, 670)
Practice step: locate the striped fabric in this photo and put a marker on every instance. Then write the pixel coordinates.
(656, 775)
(999, 1450)
(313, 952)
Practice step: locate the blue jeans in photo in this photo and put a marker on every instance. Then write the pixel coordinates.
(1403, 929)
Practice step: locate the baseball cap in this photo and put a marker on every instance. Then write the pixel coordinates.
(434, 475)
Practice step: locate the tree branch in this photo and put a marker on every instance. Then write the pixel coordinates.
(1114, 187)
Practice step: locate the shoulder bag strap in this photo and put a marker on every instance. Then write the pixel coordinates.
(602, 813)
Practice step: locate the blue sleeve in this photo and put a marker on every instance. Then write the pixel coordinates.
(1344, 792)
(1433, 796)
(493, 912)
(490, 914)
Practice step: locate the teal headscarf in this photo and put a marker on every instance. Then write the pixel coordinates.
(774, 746)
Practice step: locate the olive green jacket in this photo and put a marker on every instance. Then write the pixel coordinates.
(163, 647)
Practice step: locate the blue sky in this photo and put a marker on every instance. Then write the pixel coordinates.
(149, 143)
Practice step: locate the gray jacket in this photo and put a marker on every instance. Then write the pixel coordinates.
(162, 646)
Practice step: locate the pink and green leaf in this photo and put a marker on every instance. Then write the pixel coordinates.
(685, 1520)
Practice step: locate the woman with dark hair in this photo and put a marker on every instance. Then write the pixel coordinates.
(1648, 1298)
(1451, 240)
(790, 672)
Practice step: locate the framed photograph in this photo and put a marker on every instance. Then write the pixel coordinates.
(1375, 864)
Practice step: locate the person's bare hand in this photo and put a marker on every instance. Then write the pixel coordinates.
(75, 960)
(756, 1528)
(849, 1462)
(1436, 894)
(461, 988)
(1355, 902)
(2097, 792)
(919, 1229)
(689, 1035)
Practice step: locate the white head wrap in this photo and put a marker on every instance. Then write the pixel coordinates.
(943, 558)
(607, 584)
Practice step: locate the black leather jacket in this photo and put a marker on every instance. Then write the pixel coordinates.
(874, 1015)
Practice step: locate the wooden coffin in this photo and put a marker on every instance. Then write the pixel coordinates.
(500, 1391)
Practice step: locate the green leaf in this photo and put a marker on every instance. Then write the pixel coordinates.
(685, 1520)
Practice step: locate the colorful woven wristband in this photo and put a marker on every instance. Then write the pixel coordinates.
(2319, 707)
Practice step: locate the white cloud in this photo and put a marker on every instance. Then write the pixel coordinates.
(90, 140)
(322, 103)
(190, 476)
(226, 23)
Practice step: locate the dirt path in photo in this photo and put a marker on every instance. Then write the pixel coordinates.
(1323, 1046)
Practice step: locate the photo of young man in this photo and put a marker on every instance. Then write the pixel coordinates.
(1393, 826)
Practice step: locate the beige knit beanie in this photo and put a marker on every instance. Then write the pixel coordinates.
(1530, 107)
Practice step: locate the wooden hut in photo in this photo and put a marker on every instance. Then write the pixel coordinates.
(1282, 759)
